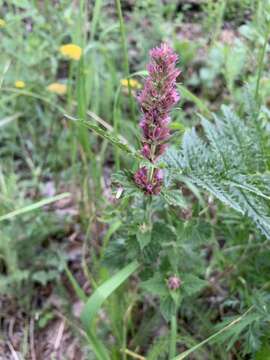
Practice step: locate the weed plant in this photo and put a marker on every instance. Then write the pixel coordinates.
(149, 212)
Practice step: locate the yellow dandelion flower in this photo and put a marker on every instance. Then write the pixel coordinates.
(19, 84)
(134, 84)
(71, 51)
(2, 23)
(57, 88)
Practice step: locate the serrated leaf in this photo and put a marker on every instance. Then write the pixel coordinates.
(156, 285)
(214, 336)
(167, 307)
(192, 284)
(124, 179)
(231, 164)
(143, 236)
(174, 198)
(162, 232)
(109, 135)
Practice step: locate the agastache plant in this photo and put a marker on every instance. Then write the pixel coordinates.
(149, 242)
(156, 100)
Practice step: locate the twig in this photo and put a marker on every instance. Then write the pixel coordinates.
(59, 335)
(13, 352)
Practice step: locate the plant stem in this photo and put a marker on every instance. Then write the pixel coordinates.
(260, 68)
(173, 335)
(125, 54)
(125, 329)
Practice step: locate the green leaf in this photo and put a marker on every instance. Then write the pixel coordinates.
(23, 4)
(96, 300)
(162, 232)
(188, 95)
(234, 334)
(167, 307)
(231, 164)
(186, 353)
(111, 136)
(263, 353)
(43, 277)
(78, 290)
(9, 119)
(177, 126)
(124, 179)
(174, 198)
(156, 285)
(143, 236)
(192, 284)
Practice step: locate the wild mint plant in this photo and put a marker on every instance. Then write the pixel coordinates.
(151, 235)
(163, 234)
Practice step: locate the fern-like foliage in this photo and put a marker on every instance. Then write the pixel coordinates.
(229, 159)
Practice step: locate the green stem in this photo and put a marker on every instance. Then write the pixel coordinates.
(153, 150)
(125, 54)
(173, 335)
(260, 68)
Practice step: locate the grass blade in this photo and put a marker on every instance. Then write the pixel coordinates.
(78, 290)
(186, 94)
(34, 206)
(95, 18)
(95, 301)
(9, 119)
(125, 53)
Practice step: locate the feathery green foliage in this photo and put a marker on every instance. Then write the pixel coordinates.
(230, 160)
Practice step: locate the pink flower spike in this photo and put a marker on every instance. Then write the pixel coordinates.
(156, 100)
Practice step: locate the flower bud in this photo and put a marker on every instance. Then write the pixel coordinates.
(174, 282)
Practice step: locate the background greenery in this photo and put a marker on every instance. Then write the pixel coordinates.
(222, 250)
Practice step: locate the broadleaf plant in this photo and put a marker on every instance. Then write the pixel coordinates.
(165, 225)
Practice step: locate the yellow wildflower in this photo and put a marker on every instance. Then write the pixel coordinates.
(134, 84)
(57, 88)
(71, 51)
(19, 84)
(2, 23)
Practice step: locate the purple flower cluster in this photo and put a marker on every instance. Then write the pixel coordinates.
(157, 100)
(150, 186)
